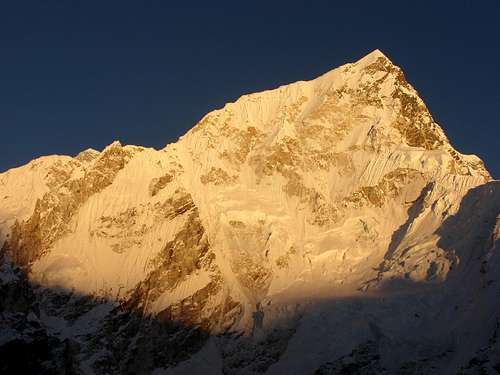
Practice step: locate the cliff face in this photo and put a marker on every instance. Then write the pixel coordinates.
(319, 226)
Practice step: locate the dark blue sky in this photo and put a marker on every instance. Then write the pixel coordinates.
(82, 74)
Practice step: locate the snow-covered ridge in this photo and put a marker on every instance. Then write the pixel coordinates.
(317, 205)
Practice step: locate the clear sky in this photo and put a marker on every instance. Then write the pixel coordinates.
(79, 74)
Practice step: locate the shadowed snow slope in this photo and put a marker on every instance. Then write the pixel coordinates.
(324, 226)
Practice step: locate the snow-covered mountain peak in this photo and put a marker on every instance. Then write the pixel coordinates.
(334, 207)
(359, 109)
(374, 57)
(87, 155)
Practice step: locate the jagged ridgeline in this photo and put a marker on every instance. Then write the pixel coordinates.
(323, 227)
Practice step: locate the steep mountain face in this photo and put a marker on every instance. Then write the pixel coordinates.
(323, 227)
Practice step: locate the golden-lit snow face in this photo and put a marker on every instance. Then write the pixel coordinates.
(319, 187)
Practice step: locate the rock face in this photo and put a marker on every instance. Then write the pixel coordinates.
(322, 227)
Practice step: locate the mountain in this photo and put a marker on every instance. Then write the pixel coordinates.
(323, 227)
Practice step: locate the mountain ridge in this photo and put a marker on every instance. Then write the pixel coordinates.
(316, 206)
